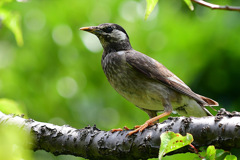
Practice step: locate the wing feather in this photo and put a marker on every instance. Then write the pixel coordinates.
(155, 70)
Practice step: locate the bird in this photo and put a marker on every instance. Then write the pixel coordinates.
(144, 81)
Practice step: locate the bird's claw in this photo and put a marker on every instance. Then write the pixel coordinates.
(119, 129)
(140, 127)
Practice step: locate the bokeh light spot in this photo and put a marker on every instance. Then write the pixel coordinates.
(34, 20)
(91, 42)
(141, 9)
(62, 35)
(67, 87)
(128, 10)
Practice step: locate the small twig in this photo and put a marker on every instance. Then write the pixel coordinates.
(215, 6)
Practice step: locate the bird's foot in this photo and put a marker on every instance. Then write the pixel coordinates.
(141, 127)
(149, 122)
(119, 129)
(138, 126)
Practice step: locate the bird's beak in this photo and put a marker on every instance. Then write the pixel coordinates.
(91, 29)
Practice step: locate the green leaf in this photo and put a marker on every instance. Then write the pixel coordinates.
(171, 141)
(12, 21)
(191, 156)
(8, 106)
(150, 6)
(220, 154)
(189, 4)
(230, 157)
(211, 153)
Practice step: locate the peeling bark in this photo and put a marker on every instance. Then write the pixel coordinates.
(222, 131)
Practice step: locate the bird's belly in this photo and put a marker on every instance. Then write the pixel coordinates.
(144, 96)
(150, 94)
(142, 92)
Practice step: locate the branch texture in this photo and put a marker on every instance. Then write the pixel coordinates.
(215, 6)
(223, 131)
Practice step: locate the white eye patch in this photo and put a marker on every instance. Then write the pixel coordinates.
(118, 35)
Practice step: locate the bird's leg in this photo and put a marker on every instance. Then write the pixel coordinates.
(137, 126)
(153, 116)
(150, 122)
(150, 113)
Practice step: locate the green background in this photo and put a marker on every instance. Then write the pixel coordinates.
(57, 73)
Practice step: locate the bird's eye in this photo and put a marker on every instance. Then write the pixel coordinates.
(108, 29)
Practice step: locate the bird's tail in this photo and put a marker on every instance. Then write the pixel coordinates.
(209, 102)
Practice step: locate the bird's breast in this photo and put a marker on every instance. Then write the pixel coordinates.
(131, 84)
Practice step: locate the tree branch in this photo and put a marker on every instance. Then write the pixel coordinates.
(222, 131)
(215, 6)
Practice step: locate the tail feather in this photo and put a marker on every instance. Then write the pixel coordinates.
(209, 101)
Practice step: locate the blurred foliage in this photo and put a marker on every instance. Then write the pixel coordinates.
(189, 4)
(150, 6)
(152, 3)
(230, 157)
(14, 143)
(57, 73)
(11, 20)
(8, 106)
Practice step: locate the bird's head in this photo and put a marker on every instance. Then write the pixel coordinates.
(112, 36)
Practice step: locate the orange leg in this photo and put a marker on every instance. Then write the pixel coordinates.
(149, 122)
(115, 130)
(137, 126)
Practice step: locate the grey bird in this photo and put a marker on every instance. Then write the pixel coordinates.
(144, 81)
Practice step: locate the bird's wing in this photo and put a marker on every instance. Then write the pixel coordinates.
(155, 70)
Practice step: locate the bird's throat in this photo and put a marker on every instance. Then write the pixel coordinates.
(115, 47)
